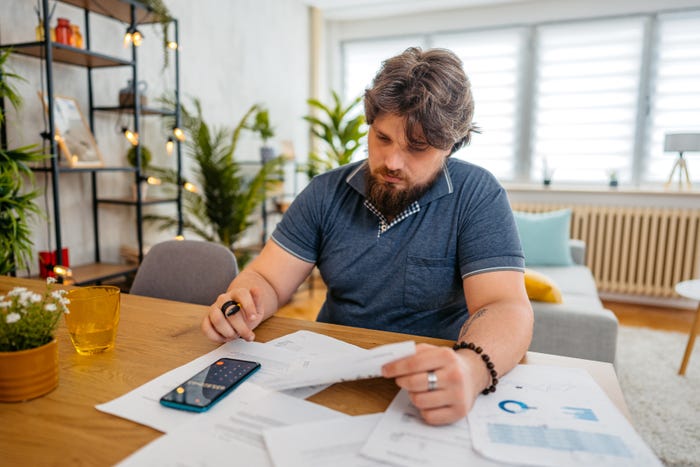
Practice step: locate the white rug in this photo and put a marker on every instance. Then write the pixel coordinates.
(665, 407)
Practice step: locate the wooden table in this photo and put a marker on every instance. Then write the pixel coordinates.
(690, 289)
(155, 336)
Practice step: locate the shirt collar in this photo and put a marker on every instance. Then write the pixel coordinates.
(441, 187)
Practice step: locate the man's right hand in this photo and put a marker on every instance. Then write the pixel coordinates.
(220, 328)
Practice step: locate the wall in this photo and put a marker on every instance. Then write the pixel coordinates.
(232, 54)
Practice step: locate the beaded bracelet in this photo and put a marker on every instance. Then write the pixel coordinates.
(487, 361)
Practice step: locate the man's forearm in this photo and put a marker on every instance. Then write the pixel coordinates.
(503, 331)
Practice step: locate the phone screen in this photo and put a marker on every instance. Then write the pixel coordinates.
(208, 386)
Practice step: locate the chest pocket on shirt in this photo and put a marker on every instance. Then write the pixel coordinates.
(431, 283)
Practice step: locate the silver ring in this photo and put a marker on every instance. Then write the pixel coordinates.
(432, 381)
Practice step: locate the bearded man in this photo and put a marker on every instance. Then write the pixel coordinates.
(408, 240)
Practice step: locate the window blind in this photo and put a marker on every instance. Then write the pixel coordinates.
(587, 78)
(362, 59)
(493, 62)
(361, 62)
(675, 103)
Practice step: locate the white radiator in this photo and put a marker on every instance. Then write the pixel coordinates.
(640, 251)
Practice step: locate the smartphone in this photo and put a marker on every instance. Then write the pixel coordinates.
(209, 386)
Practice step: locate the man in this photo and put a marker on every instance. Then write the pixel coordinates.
(406, 241)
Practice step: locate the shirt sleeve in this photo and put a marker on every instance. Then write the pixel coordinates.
(488, 237)
(298, 232)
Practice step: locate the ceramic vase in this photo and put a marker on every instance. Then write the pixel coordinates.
(28, 374)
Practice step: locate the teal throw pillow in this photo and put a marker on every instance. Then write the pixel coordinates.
(545, 237)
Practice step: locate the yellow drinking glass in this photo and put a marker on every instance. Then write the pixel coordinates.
(93, 317)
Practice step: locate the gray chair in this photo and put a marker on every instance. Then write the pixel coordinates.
(185, 271)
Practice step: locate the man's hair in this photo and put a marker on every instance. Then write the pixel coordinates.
(430, 89)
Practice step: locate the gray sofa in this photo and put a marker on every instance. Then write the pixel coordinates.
(579, 327)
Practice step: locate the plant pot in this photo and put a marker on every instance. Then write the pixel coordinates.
(267, 154)
(27, 374)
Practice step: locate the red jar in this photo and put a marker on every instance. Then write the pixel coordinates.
(63, 31)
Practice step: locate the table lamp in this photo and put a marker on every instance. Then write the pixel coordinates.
(680, 143)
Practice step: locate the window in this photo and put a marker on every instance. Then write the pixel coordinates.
(362, 59)
(492, 61)
(675, 106)
(586, 98)
(585, 104)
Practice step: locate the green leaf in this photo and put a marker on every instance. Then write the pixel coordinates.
(221, 209)
(339, 134)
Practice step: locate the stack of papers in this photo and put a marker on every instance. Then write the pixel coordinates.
(539, 416)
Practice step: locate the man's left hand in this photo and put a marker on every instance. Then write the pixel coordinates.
(443, 384)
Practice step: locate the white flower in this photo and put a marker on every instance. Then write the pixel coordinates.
(50, 307)
(58, 295)
(12, 318)
(50, 280)
(17, 291)
(5, 304)
(23, 300)
(35, 298)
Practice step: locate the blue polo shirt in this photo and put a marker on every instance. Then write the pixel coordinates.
(404, 276)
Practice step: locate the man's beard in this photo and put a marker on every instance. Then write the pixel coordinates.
(387, 198)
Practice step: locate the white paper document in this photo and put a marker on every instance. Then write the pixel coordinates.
(402, 437)
(335, 442)
(554, 416)
(313, 344)
(232, 435)
(276, 357)
(346, 367)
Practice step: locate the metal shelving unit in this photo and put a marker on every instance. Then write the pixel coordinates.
(124, 11)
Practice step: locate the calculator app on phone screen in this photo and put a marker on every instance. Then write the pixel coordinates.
(210, 385)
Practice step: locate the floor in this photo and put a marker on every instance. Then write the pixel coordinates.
(308, 300)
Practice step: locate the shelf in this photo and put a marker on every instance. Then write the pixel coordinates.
(65, 169)
(132, 201)
(126, 12)
(130, 110)
(98, 272)
(69, 55)
(115, 9)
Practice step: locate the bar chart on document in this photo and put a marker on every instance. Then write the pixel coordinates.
(554, 416)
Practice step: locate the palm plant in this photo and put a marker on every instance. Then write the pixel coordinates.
(340, 132)
(16, 204)
(219, 205)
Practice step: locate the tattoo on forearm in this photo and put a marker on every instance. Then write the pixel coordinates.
(470, 321)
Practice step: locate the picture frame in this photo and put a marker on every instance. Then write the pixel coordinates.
(74, 138)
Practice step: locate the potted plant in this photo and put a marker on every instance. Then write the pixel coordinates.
(17, 204)
(28, 349)
(547, 173)
(146, 157)
(340, 132)
(219, 202)
(261, 125)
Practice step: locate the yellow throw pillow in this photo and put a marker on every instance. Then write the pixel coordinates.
(541, 288)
